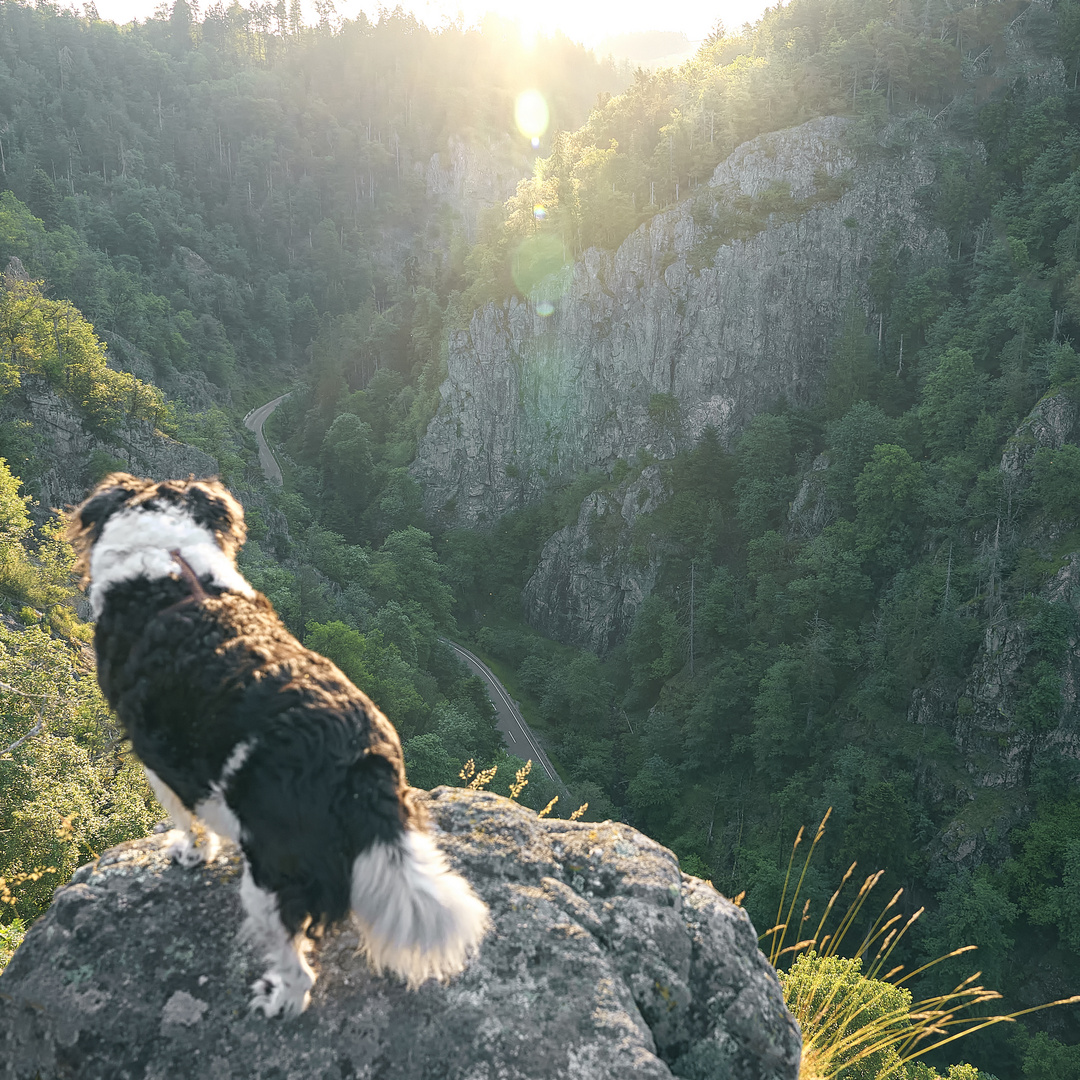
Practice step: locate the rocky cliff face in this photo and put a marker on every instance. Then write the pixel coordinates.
(585, 590)
(471, 175)
(985, 714)
(63, 469)
(604, 962)
(720, 327)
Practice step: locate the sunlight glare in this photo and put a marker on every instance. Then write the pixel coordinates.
(531, 115)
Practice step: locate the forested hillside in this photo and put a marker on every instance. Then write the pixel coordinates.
(213, 194)
(194, 212)
(864, 599)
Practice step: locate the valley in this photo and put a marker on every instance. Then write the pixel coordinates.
(735, 427)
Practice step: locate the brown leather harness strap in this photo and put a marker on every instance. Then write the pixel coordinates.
(198, 593)
(189, 575)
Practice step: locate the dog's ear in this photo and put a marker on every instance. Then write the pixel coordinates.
(85, 521)
(213, 506)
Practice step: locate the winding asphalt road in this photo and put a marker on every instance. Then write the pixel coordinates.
(519, 738)
(254, 422)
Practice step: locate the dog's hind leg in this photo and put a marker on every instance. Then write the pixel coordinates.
(189, 843)
(286, 985)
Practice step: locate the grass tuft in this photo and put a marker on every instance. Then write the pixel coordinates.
(865, 1025)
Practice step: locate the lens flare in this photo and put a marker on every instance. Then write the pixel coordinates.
(541, 270)
(531, 115)
(539, 212)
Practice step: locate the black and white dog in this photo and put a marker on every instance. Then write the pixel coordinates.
(246, 734)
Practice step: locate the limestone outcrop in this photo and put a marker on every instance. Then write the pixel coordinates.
(690, 322)
(604, 962)
(585, 591)
(69, 448)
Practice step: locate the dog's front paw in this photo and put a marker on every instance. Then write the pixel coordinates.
(273, 996)
(189, 850)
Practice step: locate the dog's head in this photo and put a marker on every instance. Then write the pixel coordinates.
(208, 502)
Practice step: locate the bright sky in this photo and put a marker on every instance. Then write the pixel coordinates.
(588, 21)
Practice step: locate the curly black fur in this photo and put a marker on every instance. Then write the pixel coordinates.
(325, 776)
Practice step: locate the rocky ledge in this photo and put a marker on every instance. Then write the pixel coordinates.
(605, 961)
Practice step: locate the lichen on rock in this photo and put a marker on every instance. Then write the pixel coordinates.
(604, 961)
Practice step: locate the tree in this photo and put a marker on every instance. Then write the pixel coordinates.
(578, 695)
(953, 395)
(850, 367)
(375, 667)
(346, 470)
(407, 570)
(44, 199)
(428, 764)
(879, 834)
(70, 789)
(764, 483)
(1056, 481)
(886, 495)
(973, 911)
(654, 646)
(654, 791)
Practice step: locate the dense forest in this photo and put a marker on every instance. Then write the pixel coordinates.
(206, 211)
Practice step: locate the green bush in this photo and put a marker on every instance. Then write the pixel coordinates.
(68, 787)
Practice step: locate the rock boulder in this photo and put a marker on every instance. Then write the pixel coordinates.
(604, 962)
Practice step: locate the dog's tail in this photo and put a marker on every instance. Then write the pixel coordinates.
(417, 917)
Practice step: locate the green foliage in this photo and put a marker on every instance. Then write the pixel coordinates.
(832, 998)
(973, 910)
(376, 665)
(68, 789)
(51, 340)
(655, 647)
(406, 570)
(346, 467)
(1043, 876)
(851, 369)
(428, 763)
(953, 395)
(1046, 1058)
(886, 495)
(1056, 481)
(763, 462)
(35, 564)
(11, 936)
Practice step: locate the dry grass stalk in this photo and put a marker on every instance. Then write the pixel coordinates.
(841, 1029)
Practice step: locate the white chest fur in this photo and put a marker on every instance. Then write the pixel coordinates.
(139, 542)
